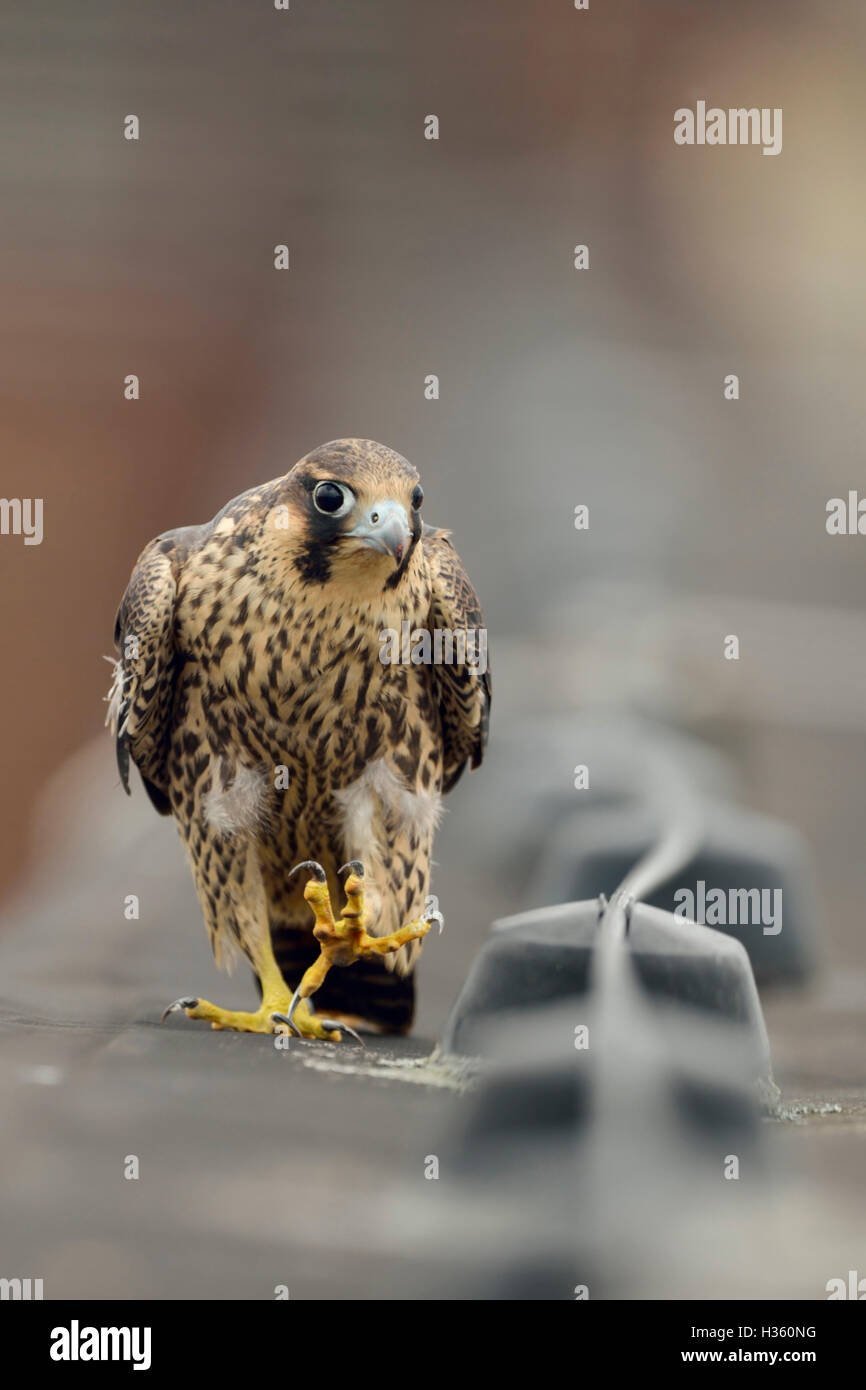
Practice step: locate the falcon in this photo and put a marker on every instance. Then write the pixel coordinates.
(255, 694)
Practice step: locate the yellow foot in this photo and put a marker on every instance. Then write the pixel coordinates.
(267, 1018)
(343, 940)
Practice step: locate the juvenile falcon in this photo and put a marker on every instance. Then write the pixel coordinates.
(252, 694)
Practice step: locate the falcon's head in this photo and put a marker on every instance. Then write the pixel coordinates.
(355, 507)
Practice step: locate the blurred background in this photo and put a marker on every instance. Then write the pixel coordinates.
(557, 388)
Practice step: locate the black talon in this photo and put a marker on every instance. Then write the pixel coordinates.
(185, 1002)
(281, 1018)
(355, 865)
(330, 1023)
(341, 1027)
(315, 869)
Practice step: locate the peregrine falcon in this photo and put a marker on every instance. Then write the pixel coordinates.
(265, 710)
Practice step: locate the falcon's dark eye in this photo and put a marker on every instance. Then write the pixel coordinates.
(332, 498)
(417, 497)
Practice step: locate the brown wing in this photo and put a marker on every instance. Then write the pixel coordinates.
(142, 696)
(462, 689)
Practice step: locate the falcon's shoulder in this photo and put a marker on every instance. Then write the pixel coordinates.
(463, 687)
(142, 694)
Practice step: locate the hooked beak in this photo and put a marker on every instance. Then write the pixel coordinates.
(385, 527)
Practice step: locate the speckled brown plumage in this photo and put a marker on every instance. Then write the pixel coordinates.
(252, 644)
